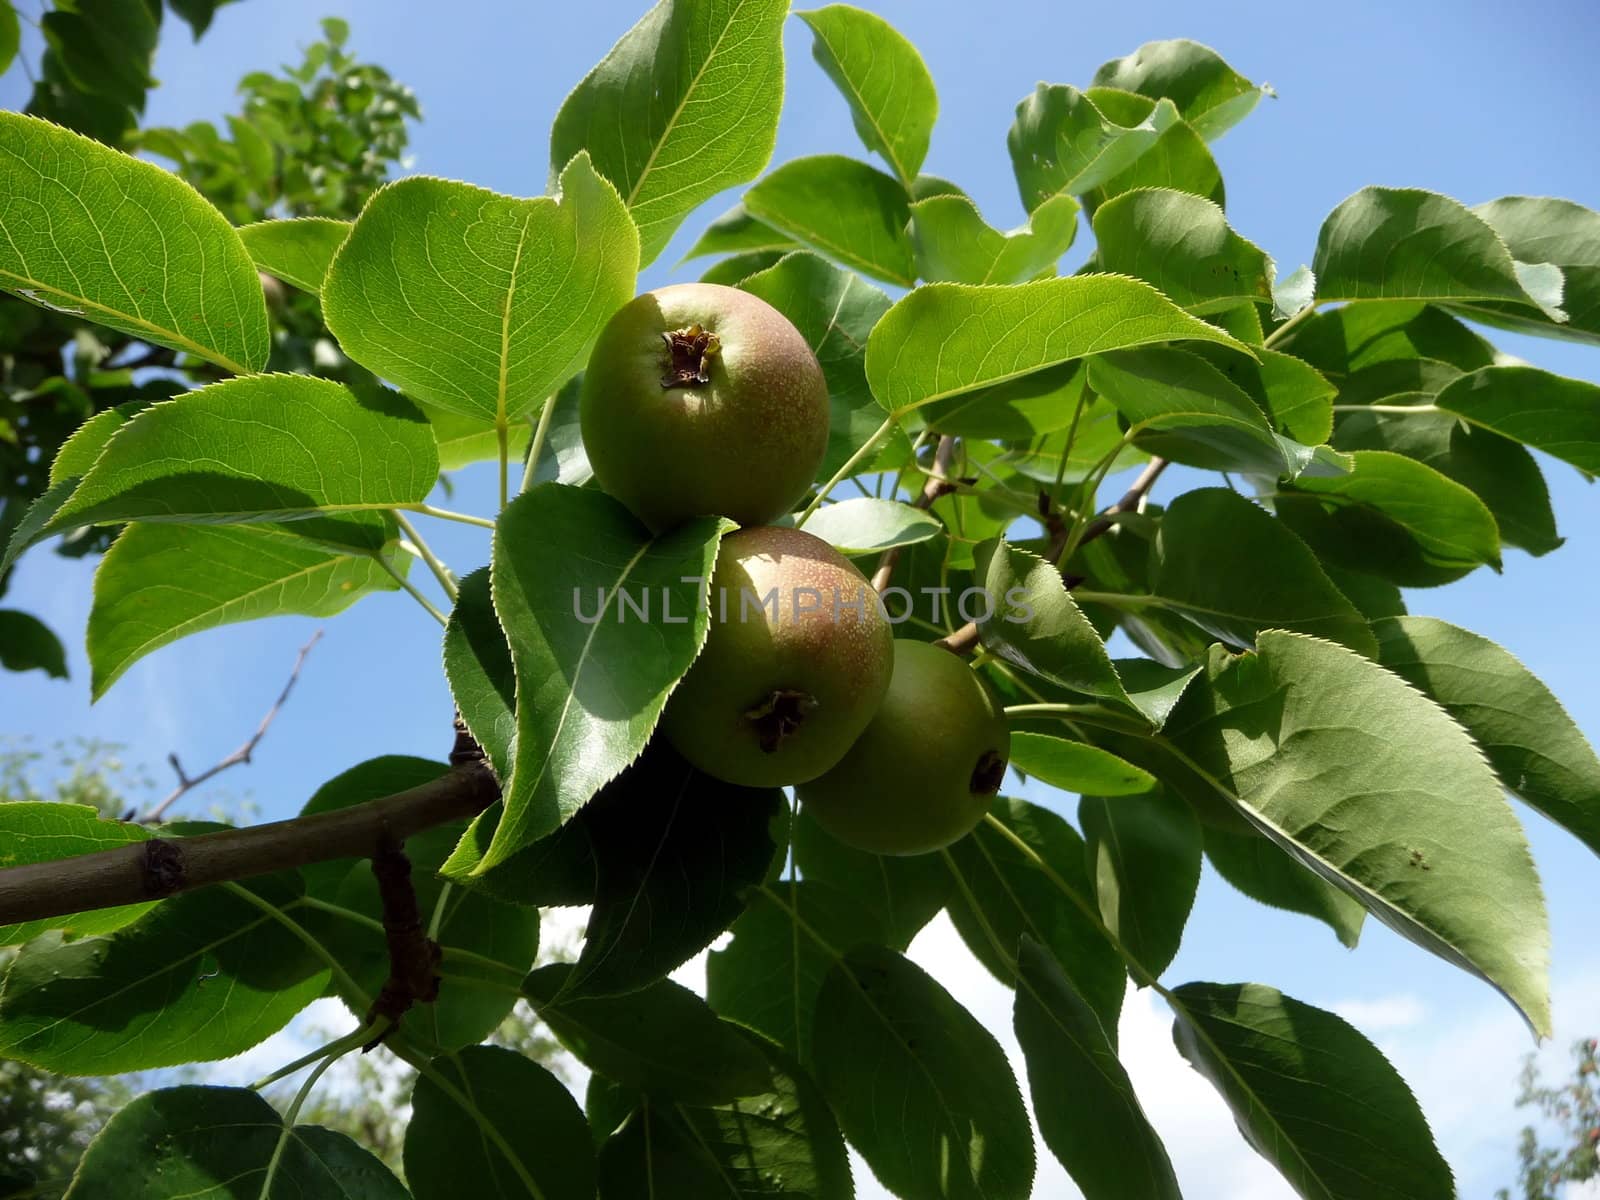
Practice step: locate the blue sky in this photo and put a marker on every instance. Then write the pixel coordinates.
(1469, 98)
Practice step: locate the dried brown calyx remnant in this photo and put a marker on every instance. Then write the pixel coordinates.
(989, 774)
(689, 355)
(779, 715)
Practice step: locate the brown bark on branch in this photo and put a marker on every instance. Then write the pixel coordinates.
(162, 867)
(965, 639)
(938, 484)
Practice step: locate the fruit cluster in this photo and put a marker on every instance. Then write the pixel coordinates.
(704, 400)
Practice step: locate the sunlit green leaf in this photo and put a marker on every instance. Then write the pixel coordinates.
(159, 583)
(1262, 870)
(737, 232)
(297, 251)
(952, 242)
(1183, 244)
(948, 338)
(890, 92)
(1076, 767)
(682, 107)
(1548, 412)
(476, 302)
(1061, 142)
(1210, 94)
(125, 244)
(591, 683)
(842, 208)
(1538, 229)
(863, 525)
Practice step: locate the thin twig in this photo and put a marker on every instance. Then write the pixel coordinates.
(187, 783)
(963, 640)
(937, 484)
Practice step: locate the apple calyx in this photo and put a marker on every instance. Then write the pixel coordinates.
(780, 715)
(689, 355)
(988, 775)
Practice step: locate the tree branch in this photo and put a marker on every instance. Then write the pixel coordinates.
(965, 639)
(938, 484)
(242, 755)
(160, 867)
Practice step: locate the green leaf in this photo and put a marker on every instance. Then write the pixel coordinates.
(1537, 749)
(563, 458)
(1032, 407)
(1548, 412)
(920, 1088)
(1083, 1100)
(1144, 852)
(673, 851)
(10, 35)
(1076, 767)
(216, 1143)
(1543, 230)
(370, 780)
(891, 94)
(782, 1145)
(1407, 244)
(506, 1129)
(951, 241)
(684, 105)
(203, 976)
(1394, 517)
(767, 978)
(1500, 472)
(1310, 1094)
(1262, 870)
(476, 302)
(105, 47)
(1206, 563)
(947, 338)
(179, 276)
(477, 662)
(1296, 397)
(1386, 798)
(660, 1038)
(26, 644)
(1183, 245)
(834, 311)
(1003, 892)
(298, 252)
(463, 440)
(735, 269)
(79, 452)
(898, 895)
(1180, 406)
(1061, 142)
(864, 525)
(1177, 160)
(1342, 340)
(590, 683)
(269, 441)
(737, 232)
(1036, 625)
(1294, 293)
(44, 831)
(159, 583)
(842, 208)
(1210, 94)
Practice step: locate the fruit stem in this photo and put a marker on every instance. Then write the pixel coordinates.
(442, 573)
(937, 484)
(844, 472)
(541, 432)
(444, 514)
(502, 437)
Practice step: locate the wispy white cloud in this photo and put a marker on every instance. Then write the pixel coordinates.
(1383, 1013)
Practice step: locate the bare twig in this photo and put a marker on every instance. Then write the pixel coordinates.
(160, 867)
(937, 484)
(187, 783)
(963, 640)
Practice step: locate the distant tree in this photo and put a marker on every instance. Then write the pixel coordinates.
(1573, 1108)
